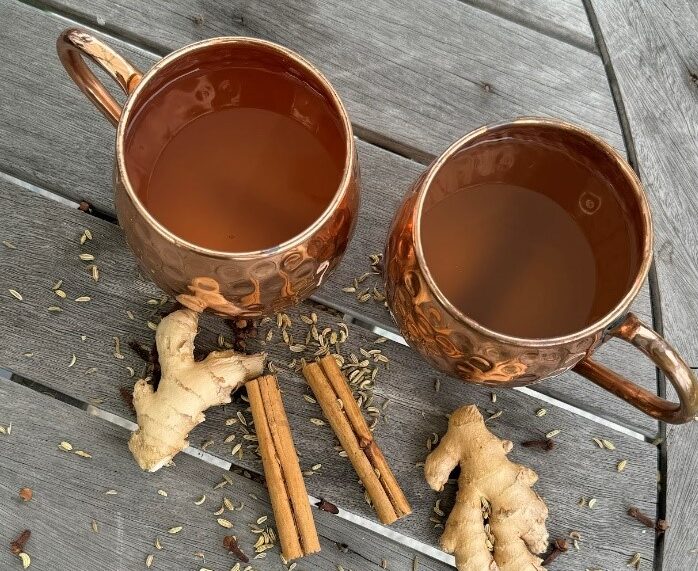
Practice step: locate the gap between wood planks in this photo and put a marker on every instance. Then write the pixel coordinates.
(359, 321)
(360, 521)
(159, 51)
(542, 26)
(655, 299)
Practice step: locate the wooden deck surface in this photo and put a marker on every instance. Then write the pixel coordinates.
(415, 76)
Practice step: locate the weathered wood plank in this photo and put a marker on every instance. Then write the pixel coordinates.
(652, 50)
(565, 20)
(71, 153)
(69, 492)
(681, 542)
(415, 75)
(46, 236)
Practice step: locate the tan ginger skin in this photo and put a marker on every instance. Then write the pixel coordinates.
(517, 514)
(186, 389)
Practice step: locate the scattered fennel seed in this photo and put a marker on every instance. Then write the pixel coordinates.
(14, 293)
(553, 433)
(607, 444)
(163, 493)
(83, 298)
(174, 530)
(86, 257)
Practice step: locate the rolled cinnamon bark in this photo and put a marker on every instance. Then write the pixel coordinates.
(289, 498)
(330, 386)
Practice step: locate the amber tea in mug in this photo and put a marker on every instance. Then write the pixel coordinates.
(235, 159)
(539, 243)
(236, 177)
(518, 252)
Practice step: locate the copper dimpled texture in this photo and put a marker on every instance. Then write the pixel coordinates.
(246, 284)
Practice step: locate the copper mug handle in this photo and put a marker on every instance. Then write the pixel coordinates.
(72, 45)
(684, 380)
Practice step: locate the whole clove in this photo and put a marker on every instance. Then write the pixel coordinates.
(127, 396)
(660, 526)
(85, 206)
(560, 546)
(150, 356)
(326, 506)
(243, 330)
(546, 444)
(17, 545)
(230, 543)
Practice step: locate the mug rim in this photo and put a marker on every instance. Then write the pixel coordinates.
(309, 68)
(638, 193)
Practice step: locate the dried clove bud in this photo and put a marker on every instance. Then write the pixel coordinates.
(127, 396)
(326, 506)
(560, 546)
(26, 494)
(547, 444)
(660, 526)
(230, 543)
(17, 545)
(85, 206)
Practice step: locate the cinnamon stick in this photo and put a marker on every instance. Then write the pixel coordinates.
(328, 384)
(289, 499)
(283, 442)
(366, 441)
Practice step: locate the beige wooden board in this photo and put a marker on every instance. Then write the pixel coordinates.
(59, 141)
(46, 236)
(69, 492)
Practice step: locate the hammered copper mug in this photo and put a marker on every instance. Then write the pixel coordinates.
(458, 345)
(239, 284)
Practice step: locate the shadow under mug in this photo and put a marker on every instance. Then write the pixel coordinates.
(458, 345)
(238, 284)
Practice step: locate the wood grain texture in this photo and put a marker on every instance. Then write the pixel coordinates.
(69, 492)
(681, 542)
(414, 75)
(565, 20)
(71, 152)
(46, 236)
(652, 48)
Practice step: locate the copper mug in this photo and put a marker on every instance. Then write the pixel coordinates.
(239, 284)
(458, 345)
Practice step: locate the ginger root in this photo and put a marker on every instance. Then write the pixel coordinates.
(187, 388)
(492, 488)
